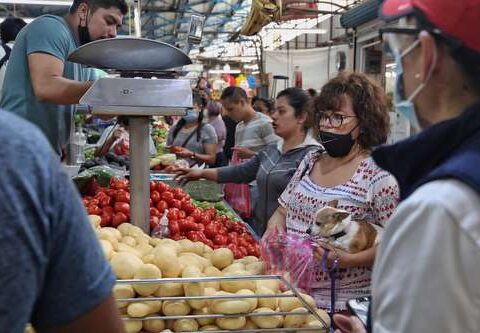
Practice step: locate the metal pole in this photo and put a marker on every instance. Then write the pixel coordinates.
(137, 19)
(139, 172)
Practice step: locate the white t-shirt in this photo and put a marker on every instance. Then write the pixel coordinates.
(427, 274)
(4, 67)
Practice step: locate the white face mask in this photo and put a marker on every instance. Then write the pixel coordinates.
(404, 105)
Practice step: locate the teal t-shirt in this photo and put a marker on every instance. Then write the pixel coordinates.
(51, 35)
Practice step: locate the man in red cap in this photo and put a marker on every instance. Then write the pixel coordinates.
(427, 272)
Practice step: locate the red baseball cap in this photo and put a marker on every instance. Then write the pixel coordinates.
(458, 19)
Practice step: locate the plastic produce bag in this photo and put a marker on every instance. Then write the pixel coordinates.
(238, 195)
(291, 256)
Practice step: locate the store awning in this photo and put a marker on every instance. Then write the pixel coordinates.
(361, 14)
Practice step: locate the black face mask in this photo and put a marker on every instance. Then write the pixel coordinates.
(337, 145)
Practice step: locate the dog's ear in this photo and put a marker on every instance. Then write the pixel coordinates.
(340, 216)
(333, 203)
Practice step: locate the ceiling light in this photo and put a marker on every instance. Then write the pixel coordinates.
(38, 2)
(26, 19)
(299, 31)
(221, 71)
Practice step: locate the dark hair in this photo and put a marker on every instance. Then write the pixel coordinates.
(214, 109)
(234, 94)
(96, 4)
(10, 27)
(369, 104)
(200, 101)
(299, 100)
(268, 103)
(312, 92)
(466, 58)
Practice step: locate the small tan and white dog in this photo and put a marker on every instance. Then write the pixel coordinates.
(336, 227)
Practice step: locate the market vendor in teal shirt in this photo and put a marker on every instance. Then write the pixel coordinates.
(40, 84)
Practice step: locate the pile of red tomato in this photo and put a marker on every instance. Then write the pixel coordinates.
(185, 220)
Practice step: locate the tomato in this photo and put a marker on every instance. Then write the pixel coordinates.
(94, 210)
(173, 227)
(220, 239)
(243, 242)
(154, 221)
(105, 202)
(178, 193)
(175, 203)
(173, 213)
(167, 197)
(122, 196)
(153, 186)
(243, 251)
(122, 207)
(204, 219)
(196, 214)
(208, 242)
(154, 212)
(118, 219)
(155, 196)
(188, 207)
(186, 225)
(182, 214)
(162, 187)
(106, 219)
(190, 219)
(233, 238)
(94, 202)
(222, 230)
(212, 213)
(199, 227)
(195, 236)
(211, 230)
(178, 237)
(161, 206)
(86, 202)
(118, 184)
(253, 250)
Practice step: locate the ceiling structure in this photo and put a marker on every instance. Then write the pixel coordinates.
(168, 20)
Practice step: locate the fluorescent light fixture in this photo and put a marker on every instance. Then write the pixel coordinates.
(221, 71)
(38, 2)
(299, 30)
(26, 19)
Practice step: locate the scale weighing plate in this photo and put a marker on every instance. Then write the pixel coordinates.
(129, 54)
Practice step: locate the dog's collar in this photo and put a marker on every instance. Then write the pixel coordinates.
(338, 235)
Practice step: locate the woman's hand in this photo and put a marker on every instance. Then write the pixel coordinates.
(184, 153)
(343, 257)
(186, 175)
(347, 324)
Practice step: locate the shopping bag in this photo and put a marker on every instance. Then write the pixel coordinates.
(238, 195)
(291, 256)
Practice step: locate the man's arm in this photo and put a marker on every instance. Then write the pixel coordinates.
(102, 319)
(49, 85)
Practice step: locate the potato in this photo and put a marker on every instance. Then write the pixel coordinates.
(185, 325)
(229, 306)
(198, 248)
(235, 285)
(108, 235)
(212, 271)
(168, 263)
(169, 289)
(231, 323)
(133, 326)
(153, 326)
(95, 221)
(154, 241)
(273, 284)
(290, 303)
(256, 268)
(248, 260)
(267, 321)
(193, 288)
(265, 302)
(323, 314)
(129, 240)
(148, 259)
(125, 265)
(186, 246)
(207, 249)
(250, 325)
(253, 301)
(114, 232)
(187, 259)
(107, 248)
(222, 258)
(209, 328)
(144, 249)
(122, 247)
(207, 256)
(123, 291)
(235, 267)
(169, 243)
(204, 321)
(209, 292)
(138, 309)
(124, 228)
(155, 306)
(147, 271)
(316, 324)
(295, 321)
(175, 308)
(141, 239)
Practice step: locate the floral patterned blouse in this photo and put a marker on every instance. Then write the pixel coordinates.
(370, 195)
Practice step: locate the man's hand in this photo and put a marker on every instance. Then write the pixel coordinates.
(243, 152)
(347, 324)
(186, 175)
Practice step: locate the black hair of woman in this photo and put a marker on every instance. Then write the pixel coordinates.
(201, 101)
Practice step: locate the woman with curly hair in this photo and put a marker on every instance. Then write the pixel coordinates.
(349, 118)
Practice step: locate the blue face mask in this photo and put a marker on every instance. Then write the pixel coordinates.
(191, 116)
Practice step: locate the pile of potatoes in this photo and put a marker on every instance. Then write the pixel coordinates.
(135, 255)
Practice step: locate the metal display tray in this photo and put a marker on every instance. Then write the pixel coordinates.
(290, 287)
